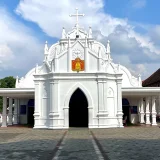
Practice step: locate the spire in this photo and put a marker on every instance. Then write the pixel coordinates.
(139, 81)
(45, 51)
(108, 50)
(90, 32)
(46, 48)
(17, 81)
(63, 33)
(108, 47)
(36, 68)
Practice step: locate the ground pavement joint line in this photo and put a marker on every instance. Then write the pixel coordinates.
(98, 148)
(59, 146)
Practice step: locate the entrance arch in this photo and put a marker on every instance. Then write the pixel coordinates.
(67, 100)
(78, 109)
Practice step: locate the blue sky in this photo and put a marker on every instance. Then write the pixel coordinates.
(131, 25)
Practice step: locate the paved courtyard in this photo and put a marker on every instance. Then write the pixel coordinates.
(130, 143)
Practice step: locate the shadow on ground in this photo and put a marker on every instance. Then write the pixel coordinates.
(28, 150)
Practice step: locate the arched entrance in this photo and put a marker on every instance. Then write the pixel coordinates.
(78, 110)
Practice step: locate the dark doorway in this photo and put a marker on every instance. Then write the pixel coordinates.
(78, 110)
(30, 116)
(126, 109)
(126, 113)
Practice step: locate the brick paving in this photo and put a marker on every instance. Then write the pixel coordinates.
(78, 146)
(27, 143)
(130, 143)
(139, 143)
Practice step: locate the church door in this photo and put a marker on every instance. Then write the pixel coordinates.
(78, 110)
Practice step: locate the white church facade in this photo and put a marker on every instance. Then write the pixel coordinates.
(78, 85)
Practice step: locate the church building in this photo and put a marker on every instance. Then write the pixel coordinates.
(78, 85)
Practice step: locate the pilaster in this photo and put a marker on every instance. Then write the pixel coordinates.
(101, 102)
(37, 102)
(119, 103)
(53, 114)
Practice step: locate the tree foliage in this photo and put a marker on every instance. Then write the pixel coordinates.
(7, 82)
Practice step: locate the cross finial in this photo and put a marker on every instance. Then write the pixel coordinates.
(76, 15)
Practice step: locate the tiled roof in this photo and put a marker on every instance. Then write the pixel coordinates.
(155, 77)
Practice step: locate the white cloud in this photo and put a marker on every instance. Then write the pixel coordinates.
(138, 3)
(16, 45)
(138, 49)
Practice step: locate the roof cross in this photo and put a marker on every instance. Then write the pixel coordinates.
(76, 15)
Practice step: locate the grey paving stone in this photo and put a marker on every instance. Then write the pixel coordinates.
(139, 143)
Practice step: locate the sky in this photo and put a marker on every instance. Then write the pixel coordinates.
(132, 26)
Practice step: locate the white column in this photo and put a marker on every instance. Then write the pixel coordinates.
(4, 114)
(100, 96)
(37, 99)
(15, 111)
(54, 97)
(37, 104)
(154, 123)
(141, 111)
(100, 103)
(147, 110)
(10, 115)
(119, 103)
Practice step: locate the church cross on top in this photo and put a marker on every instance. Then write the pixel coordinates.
(76, 15)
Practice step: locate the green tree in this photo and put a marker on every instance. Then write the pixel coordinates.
(7, 82)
